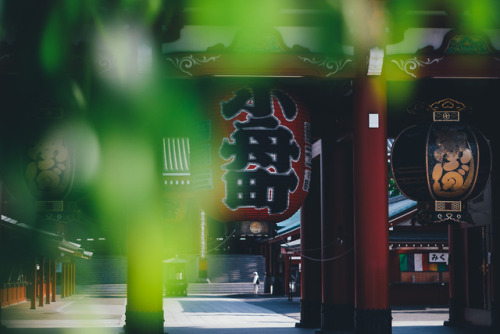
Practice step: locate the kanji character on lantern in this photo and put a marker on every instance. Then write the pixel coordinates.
(260, 149)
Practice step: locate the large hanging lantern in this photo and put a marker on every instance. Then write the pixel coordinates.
(50, 161)
(252, 159)
(441, 165)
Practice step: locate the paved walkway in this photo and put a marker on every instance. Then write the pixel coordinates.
(198, 314)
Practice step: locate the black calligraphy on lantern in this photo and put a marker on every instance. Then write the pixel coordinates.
(261, 150)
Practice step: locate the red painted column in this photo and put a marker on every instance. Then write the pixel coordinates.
(34, 284)
(73, 278)
(337, 236)
(68, 277)
(458, 270)
(62, 280)
(68, 280)
(54, 280)
(40, 281)
(310, 246)
(373, 314)
(287, 273)
(2, 327)
(64, 272)
(267, 279)
(48, 281)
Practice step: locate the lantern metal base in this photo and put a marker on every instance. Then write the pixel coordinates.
(427, 216)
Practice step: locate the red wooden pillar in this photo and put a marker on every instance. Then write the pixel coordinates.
(457, 240)
(272, 268)
(63, 280)
(73, 283)
(34, 284)
(66, 279)
(40, 281)
(70, 279)
(288, 265)
(268, 273)
(310, 246)
(373, 313)
(337, 237)
(48, 281)
(2, 327)
(54, 279)
(74, 279)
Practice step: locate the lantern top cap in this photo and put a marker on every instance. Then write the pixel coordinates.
(447, 110)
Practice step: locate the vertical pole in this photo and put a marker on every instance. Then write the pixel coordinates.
(33, 284)
(1, 203)
(270, 268)
(373, 314)
(40, 280)
(337, 311)
(48, 281)
(2, 327)
(203, 273)
(74, 278)
(457, 270)
(68, 275)
(310, 246)
(63, 280)
(54, 279)
(144, 313)
(494, 266)
(70, 278)
(287, 273)
(67, 280)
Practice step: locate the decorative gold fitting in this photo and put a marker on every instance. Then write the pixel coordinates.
(449, 206)
(446, 116)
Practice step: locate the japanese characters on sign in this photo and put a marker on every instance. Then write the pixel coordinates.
(260, 173)
(264, 155)
(438, 258)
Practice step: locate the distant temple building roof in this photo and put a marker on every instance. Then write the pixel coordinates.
(397, 205)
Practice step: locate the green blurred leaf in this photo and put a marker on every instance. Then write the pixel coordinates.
(53, 45)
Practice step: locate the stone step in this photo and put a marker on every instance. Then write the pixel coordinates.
(120, 290)
(219, 288)
(103, 290)
(226, 268)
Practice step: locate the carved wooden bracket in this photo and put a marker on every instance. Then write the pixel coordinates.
(460, 55)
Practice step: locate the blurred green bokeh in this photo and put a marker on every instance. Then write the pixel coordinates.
(124, 110)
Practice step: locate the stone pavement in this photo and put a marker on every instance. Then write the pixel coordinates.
(206, 314)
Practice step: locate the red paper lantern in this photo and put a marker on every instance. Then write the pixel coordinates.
(252, 159)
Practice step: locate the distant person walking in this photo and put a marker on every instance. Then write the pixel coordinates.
(256, 282)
